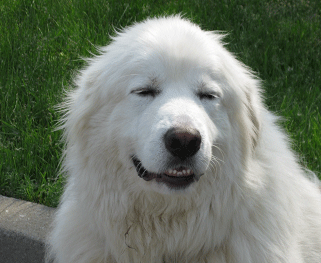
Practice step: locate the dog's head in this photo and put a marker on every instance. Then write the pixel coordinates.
(166, 101)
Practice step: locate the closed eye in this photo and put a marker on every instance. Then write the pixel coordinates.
(146, 92)
(208, 95)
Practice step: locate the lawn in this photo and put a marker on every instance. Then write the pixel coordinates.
(42, 43)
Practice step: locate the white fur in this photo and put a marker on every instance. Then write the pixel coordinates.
(253, 203)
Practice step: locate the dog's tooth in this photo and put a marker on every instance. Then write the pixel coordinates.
(174, 172)
(184, 171)
(170, 171)
(188, 171)
(179, 173)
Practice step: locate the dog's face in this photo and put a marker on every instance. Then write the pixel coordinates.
(175, 112)
(173, 125)
(172, 100)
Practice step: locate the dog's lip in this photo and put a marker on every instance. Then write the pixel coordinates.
(175, 178)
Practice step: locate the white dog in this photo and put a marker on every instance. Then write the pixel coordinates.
(172, 157)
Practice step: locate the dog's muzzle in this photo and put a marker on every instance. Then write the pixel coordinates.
(182, 144)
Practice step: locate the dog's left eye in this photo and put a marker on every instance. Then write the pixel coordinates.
(208, 96)
(146, 92)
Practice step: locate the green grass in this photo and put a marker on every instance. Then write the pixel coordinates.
(42, 42)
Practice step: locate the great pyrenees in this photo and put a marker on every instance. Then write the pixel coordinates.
(171, 156)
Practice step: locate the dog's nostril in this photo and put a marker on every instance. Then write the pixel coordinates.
(182, 142)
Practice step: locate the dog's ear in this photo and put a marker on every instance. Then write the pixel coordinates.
(79, 105)
(253, 108)
(247, 88)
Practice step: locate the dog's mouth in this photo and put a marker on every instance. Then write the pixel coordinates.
(178, 178)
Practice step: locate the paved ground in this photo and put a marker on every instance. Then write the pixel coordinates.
(23, 229)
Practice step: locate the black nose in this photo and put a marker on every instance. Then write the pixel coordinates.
(182, 142)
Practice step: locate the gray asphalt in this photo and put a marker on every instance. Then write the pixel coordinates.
(23, 230)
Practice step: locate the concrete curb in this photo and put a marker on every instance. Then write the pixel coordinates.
(23, 229)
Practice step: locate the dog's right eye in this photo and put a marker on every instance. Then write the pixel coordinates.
(146, 92)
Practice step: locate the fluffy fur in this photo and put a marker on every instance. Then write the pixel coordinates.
(253, 203)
